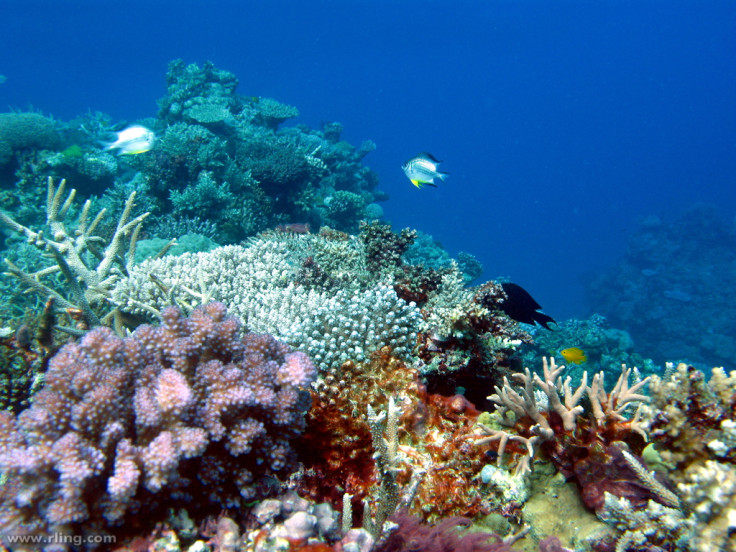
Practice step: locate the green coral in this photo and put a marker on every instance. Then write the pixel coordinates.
(205, 196)
(208, 112)
(73, 151)
(24, 131)
(272, 113)
(188, 243)
(344, 210)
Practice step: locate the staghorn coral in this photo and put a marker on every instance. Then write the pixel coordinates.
(90, 264)
(597, 447)
(122, 426)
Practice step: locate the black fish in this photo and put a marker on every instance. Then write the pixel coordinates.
(522, 307)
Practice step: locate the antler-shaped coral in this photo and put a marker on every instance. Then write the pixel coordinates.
(562, 400)
(88, 285)
(523, 402)
(616, 402)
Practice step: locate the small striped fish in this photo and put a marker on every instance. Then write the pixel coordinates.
(423, 169)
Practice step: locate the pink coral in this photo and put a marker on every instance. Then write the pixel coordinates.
(122, 425)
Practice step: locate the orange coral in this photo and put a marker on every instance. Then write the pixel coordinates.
(434, 436)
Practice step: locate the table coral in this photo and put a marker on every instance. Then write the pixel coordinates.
(124, 426)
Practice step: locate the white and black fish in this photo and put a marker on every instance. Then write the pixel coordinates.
(423, 169)
(133, 140)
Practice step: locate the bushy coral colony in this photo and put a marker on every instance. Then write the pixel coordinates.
(291, 374)
(122, 426)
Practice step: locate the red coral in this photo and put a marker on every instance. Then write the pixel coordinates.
(337, 446)
(337, 453)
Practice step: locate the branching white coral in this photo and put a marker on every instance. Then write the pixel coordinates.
(562, 399)
(89, 283)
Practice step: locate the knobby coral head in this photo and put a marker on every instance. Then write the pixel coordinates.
(188, 408)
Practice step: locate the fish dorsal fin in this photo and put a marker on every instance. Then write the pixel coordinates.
(429, 157)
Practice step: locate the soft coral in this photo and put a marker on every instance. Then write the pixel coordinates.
(412, 535)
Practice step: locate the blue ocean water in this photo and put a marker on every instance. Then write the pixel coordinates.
(562, 124)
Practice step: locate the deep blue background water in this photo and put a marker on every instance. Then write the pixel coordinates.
(561, 123)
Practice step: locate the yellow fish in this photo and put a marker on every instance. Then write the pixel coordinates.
(574, 355)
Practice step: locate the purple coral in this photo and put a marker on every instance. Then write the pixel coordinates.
(186, 409)
(412, 535)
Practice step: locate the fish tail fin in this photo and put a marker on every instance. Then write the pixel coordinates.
(544, 320)
(443, 175)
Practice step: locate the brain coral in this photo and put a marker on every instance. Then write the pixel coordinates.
(122, 426)
(25, 130)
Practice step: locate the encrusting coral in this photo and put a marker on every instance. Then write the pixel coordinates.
(693, 422)
(433, 436)
(188, 409)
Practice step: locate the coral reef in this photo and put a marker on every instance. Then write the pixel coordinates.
(604, 346)
(339, 298)
(88, 263)
(331, 325)
(215, 149)
(433, 437)
(21, 368)
(384, 248)
(171, 437)
(412, 534)
(270, 175)
(693, 423)
(468, 341)
(598, 450)
(189, 411)
(19, 131)
(674, 289)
